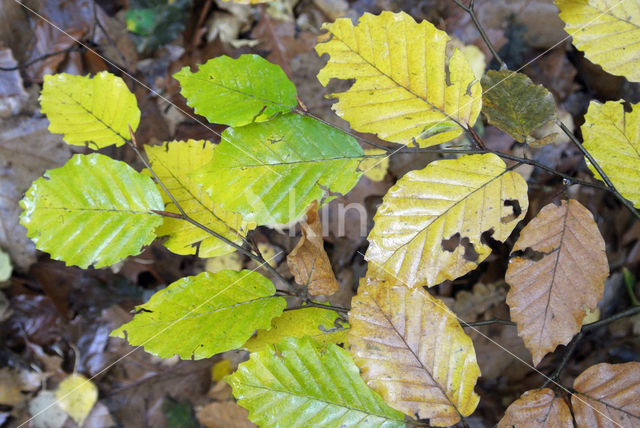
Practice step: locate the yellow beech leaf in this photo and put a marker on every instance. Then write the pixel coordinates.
(173, 162)
(607, 31)
(612, 137)
(309, 262)
(537, 408)
(557, 269)
(231, 261)
(76, 395)
(374, 168)
(413, 352)
(433, 223)
(407, 90)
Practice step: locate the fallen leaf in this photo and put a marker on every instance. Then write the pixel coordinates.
(10, 387)
(308, 261)
(5, 267)
(224, 415)
(563, 274)
(537, 408)
(77, 395)
(12, 93)
(45, 411)
(231, 261)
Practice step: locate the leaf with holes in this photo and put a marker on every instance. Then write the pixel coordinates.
(173, 162)
(282, 166)
(407, 89)
(322, 325)
(607, 396)
(93, 210)
(96, 110)
(557, 269)
(612, 137)
(538, 408)
(412, 350)
(434, 223)
(199, 316)
(607, 31)
(237, 92)
(514, 104)
(299, 383)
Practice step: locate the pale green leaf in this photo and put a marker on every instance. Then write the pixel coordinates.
(514, 104)
(96, 110)
(93, 210)
(270, 172)
(299, 383)
(173, 162)
(407, 89)
(199, 316)
(323, 325)
(237, 92)
(612, 137)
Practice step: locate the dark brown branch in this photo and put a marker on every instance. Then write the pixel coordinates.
(311, 304)
(487, 322)
(469, 9)
(43, 57)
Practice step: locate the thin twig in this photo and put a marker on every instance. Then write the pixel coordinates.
(597, 167)
(184, 216)
(565, 359)
(615, 317)
(471, 12)
(311, 304)
(43, 57)
(487, 322)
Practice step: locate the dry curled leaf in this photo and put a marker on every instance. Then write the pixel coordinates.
(537, 409)
(557, 269)
(608, 396)
(412, 351)
(308, 261)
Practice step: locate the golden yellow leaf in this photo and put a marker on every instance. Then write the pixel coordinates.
(612, 137)
(173, 162)
(309, 262)
(608, 31)
(374, 168)
(560, 272)
(231, 261)
(538, 408)
(220, 369)
(413, 352)
(76, 395)
(406, 90)
(431, 223)
(607, 396)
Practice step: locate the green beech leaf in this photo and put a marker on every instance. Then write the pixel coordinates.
(513, 103)
(94, 110)
(270, 172)
(93, 210)
(173, 162)
(323, 325)
(154, 23)
(297, 383)
(199, 316)
(236, 92)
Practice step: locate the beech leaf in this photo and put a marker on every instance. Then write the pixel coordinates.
(612, 137)
(514, 104)
(565, 274)
(412, 350)
(607, 396)
(538, 408)
(407, 90)
(309, 262)
(432, 223)
(77, 395)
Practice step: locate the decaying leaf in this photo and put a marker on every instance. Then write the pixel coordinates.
(538, 408)
(309, 262)
(412, 350)
(226, 414)
(76, 395)
(406, 89)
(434, 223)
(607, 31)
(612, 137)
(514, 104)
(560, 272)
(607, 396)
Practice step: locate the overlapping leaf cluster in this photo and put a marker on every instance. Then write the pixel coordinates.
(404, 353)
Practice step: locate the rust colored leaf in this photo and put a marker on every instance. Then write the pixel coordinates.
(557, 269)
(608, 396)
(537, 409)
(412, 351)
(308, 261)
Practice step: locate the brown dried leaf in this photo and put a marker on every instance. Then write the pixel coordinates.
(413, 352)
(308, 261)
(608, 396)
(565, 274)
(224, 415)
(537, 409)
